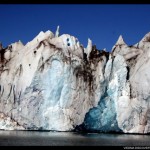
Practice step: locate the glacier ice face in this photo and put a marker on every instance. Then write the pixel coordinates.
(54, 83)
(124, 107)
(104, 116)
(50, 85)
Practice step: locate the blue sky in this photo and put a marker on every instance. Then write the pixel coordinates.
(102, 23)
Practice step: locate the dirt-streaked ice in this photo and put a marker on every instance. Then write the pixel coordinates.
(54, 83)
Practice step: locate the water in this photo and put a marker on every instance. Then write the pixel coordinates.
(36, 138)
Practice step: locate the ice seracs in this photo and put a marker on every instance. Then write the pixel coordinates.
(88, 49)
(54, 83)
(57, 32)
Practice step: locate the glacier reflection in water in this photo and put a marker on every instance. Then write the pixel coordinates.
(37, 138)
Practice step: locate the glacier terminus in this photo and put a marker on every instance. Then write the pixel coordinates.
(54, 83)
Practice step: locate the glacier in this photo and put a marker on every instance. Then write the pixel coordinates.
(53, 83)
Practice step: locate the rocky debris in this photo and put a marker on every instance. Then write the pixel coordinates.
(7, 123)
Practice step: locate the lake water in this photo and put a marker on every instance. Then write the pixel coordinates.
(36, 138)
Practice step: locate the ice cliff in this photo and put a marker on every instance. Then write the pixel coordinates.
(54, 83)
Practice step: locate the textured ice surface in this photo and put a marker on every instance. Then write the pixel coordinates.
(54, 83)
